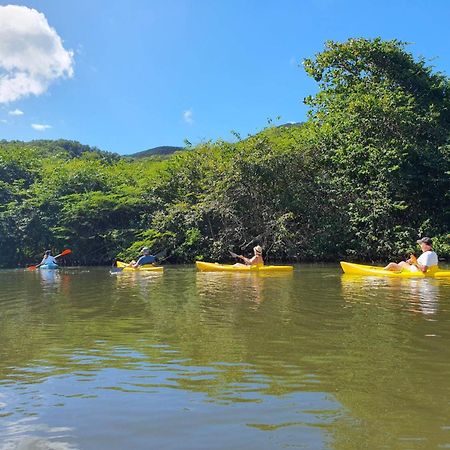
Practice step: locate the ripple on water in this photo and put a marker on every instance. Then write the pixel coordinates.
(104, 362)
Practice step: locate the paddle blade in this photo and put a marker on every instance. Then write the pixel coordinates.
(66, 252)
(31, 268)
(234, 255)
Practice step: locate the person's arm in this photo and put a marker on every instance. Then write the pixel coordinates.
(246, 260)
(256, 260)
(420, 266)
(414, 262)
(42, 262)
(137, 263)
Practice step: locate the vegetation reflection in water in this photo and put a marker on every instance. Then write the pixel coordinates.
(312, 359)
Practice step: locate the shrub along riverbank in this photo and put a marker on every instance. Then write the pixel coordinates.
(361, 179)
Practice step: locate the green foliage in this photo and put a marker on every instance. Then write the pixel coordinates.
(363, 178)
(383, 124)
(71, 196)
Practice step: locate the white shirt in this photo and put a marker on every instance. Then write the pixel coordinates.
(49, 260)
(428, 259)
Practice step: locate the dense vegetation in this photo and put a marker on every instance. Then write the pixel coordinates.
(362, 178)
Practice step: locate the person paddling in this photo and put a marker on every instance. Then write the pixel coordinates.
(48, 259)
(146, 258)
(257, 259)
(428, 260)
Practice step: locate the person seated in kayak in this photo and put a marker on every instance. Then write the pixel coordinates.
(426, 261)
(48, 259)
(146, 258)
(256, 260)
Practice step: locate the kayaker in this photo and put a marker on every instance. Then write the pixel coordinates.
(257, 259)
(48, 259)
(146, 258)
(426, 261)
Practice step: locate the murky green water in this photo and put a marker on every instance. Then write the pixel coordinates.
(187, 360)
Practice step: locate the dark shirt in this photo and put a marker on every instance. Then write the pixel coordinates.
(146, 259)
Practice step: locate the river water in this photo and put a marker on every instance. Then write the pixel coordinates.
(187, 360)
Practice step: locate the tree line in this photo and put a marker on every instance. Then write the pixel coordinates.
(362, 178)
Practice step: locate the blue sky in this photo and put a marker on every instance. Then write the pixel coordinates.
(128, 76)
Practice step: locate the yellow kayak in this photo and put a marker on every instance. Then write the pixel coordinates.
(145, 268)
(360, 269)
(216, 267)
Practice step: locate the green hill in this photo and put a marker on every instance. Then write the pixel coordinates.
(162, 150)
(64, 148)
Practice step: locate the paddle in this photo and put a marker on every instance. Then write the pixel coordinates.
(234, 255)
(414, 262)
(63, 253)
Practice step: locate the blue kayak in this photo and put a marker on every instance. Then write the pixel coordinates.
(49, 266)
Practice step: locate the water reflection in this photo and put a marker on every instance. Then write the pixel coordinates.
(30, 433)
(266, 361)
(241, 286)
(140, 279)
(49, 278)
(244, 286)
(418, 295)
(425, 295)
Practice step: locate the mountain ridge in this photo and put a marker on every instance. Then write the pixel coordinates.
(156, 151)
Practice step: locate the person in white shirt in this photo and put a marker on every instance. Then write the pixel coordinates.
(48, 259)
(426, 261)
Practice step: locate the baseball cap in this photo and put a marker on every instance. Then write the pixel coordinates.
(425, 240)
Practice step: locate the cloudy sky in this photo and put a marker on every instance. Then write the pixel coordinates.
(128, 76)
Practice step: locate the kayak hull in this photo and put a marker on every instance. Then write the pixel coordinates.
(146, 268)
(216, 267)
(378, 271)
(48, 267)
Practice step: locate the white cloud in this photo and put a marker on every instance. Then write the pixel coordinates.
(188, 116)
(32, 55)
(16, 112)
(40, 126)
(3, 121)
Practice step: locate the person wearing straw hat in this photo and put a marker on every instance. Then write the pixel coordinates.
(428, 260)
(256, 260)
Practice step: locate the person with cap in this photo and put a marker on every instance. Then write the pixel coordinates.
(426, 261)
(257, 259)
(146, 258)
(48, 259)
